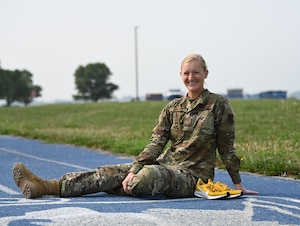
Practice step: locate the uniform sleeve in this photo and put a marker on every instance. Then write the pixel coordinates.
(225, 139)
(159, 139)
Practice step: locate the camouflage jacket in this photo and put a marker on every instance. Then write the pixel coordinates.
(195, 129)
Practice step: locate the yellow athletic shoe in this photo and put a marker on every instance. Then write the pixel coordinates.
(209, 191)
(232, 192)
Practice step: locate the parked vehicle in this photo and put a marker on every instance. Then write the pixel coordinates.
(174, 93)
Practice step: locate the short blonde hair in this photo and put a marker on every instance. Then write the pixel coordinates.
(196, 57)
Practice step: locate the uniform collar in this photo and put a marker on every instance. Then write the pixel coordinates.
(201, 99)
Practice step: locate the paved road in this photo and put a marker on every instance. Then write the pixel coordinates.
(277, 204)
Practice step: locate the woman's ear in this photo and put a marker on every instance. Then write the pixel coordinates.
(206, 74)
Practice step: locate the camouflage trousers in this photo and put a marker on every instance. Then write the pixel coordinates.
(151, 179)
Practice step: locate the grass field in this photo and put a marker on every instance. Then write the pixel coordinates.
(267, 131)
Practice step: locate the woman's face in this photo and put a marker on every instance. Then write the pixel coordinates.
(193, 75)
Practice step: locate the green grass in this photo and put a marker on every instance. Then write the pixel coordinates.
(267, 131)
(268, 136)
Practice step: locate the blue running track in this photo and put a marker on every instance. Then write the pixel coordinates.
(277, 204)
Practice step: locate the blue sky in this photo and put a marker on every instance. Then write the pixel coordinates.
(249, 44)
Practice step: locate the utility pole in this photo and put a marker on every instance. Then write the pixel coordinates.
(136, 63)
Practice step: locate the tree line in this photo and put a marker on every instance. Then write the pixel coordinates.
(17, 85)
(92, 83)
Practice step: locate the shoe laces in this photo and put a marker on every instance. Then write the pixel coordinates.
(222, 186)
(214, 187)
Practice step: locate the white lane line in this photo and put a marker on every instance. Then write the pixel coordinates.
(68, 201)
(44, 159)
(8, 190)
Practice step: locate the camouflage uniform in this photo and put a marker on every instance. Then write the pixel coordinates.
(196, 128)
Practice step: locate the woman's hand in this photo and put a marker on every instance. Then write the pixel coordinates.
(245, 191)
(125, 182)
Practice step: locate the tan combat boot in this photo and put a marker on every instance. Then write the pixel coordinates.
(33, 186)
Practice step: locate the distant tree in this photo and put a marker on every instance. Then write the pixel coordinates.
(92, 82)
(5, 85)
(17, 86)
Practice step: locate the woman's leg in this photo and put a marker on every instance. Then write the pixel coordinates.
(106, 178)
(157, 179)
